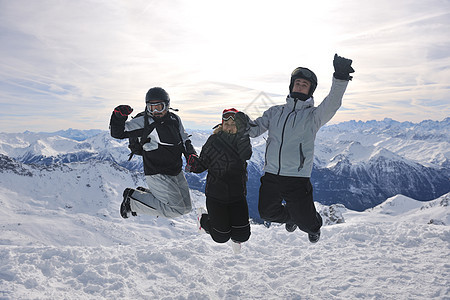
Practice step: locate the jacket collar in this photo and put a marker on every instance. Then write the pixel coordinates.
(291, 102)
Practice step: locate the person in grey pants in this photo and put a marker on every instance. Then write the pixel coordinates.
(286, 193)
(159, 136)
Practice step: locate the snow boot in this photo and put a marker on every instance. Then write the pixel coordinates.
(200, 212)
(236, 247)
(125, 207)
(290, 227)
(314, 237)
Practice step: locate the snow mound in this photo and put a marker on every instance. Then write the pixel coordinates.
(397, 205)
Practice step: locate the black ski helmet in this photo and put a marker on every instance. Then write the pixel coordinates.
(157, 94)
(304, 73)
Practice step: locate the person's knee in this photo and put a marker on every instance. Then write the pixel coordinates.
(240, 233)
(220, 236)
(309, 224)
(173, 210)
(266, 214)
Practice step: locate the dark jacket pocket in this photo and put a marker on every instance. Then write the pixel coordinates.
(302, 158)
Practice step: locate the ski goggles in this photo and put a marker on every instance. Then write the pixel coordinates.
(304, 73)
(157, 107)
(229, 115)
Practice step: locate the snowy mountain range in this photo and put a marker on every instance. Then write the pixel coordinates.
(357, 164)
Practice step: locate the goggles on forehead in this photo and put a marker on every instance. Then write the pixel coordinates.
(229, 115)
(158, 107)
(305, 73)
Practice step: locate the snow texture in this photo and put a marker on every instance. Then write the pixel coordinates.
(62, 237)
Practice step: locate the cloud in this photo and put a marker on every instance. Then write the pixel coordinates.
(85, 58)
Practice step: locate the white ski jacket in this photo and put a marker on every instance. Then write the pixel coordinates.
(292, 130)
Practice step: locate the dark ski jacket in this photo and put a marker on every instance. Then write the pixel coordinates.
(224, 156)
(162, 146)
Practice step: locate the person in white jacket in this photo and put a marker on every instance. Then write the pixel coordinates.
(286, 193)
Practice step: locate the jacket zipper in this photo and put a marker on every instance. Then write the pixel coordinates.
(282, 137)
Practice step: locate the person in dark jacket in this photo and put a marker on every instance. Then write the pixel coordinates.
(224, 155)
(163, 140)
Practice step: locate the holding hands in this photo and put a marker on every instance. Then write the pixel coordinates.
(191, 163)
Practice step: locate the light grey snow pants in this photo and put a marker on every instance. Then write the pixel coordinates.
(169, 196)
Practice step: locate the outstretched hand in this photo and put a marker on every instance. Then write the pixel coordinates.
(242, 122)
(122, 111)
(342, 68)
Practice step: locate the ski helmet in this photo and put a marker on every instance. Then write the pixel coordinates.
(304, 73)
(157, 94)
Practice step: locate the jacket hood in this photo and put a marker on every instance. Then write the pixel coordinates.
(307, 103)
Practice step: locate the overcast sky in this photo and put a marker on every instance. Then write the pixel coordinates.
(67, 64)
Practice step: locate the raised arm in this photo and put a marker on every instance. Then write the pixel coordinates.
(117, 121)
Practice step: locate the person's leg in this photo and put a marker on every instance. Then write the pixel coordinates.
(168, 196)
(217, 221)
(270, 204)
(240, 225)
(298, 194)
(185, 194)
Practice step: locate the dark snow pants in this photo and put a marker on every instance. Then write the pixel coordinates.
(285, 199)
(226, 221)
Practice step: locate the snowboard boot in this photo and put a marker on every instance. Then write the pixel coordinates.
(125, 207)
(314, 237)
(290, 227)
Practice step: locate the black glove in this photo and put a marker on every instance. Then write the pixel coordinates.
(244, 147)
(123, 111)
(242, 122)
(342, 68)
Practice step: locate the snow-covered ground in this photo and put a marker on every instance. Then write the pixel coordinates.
(51, 248)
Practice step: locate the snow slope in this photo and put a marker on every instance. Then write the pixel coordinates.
(62, 238)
